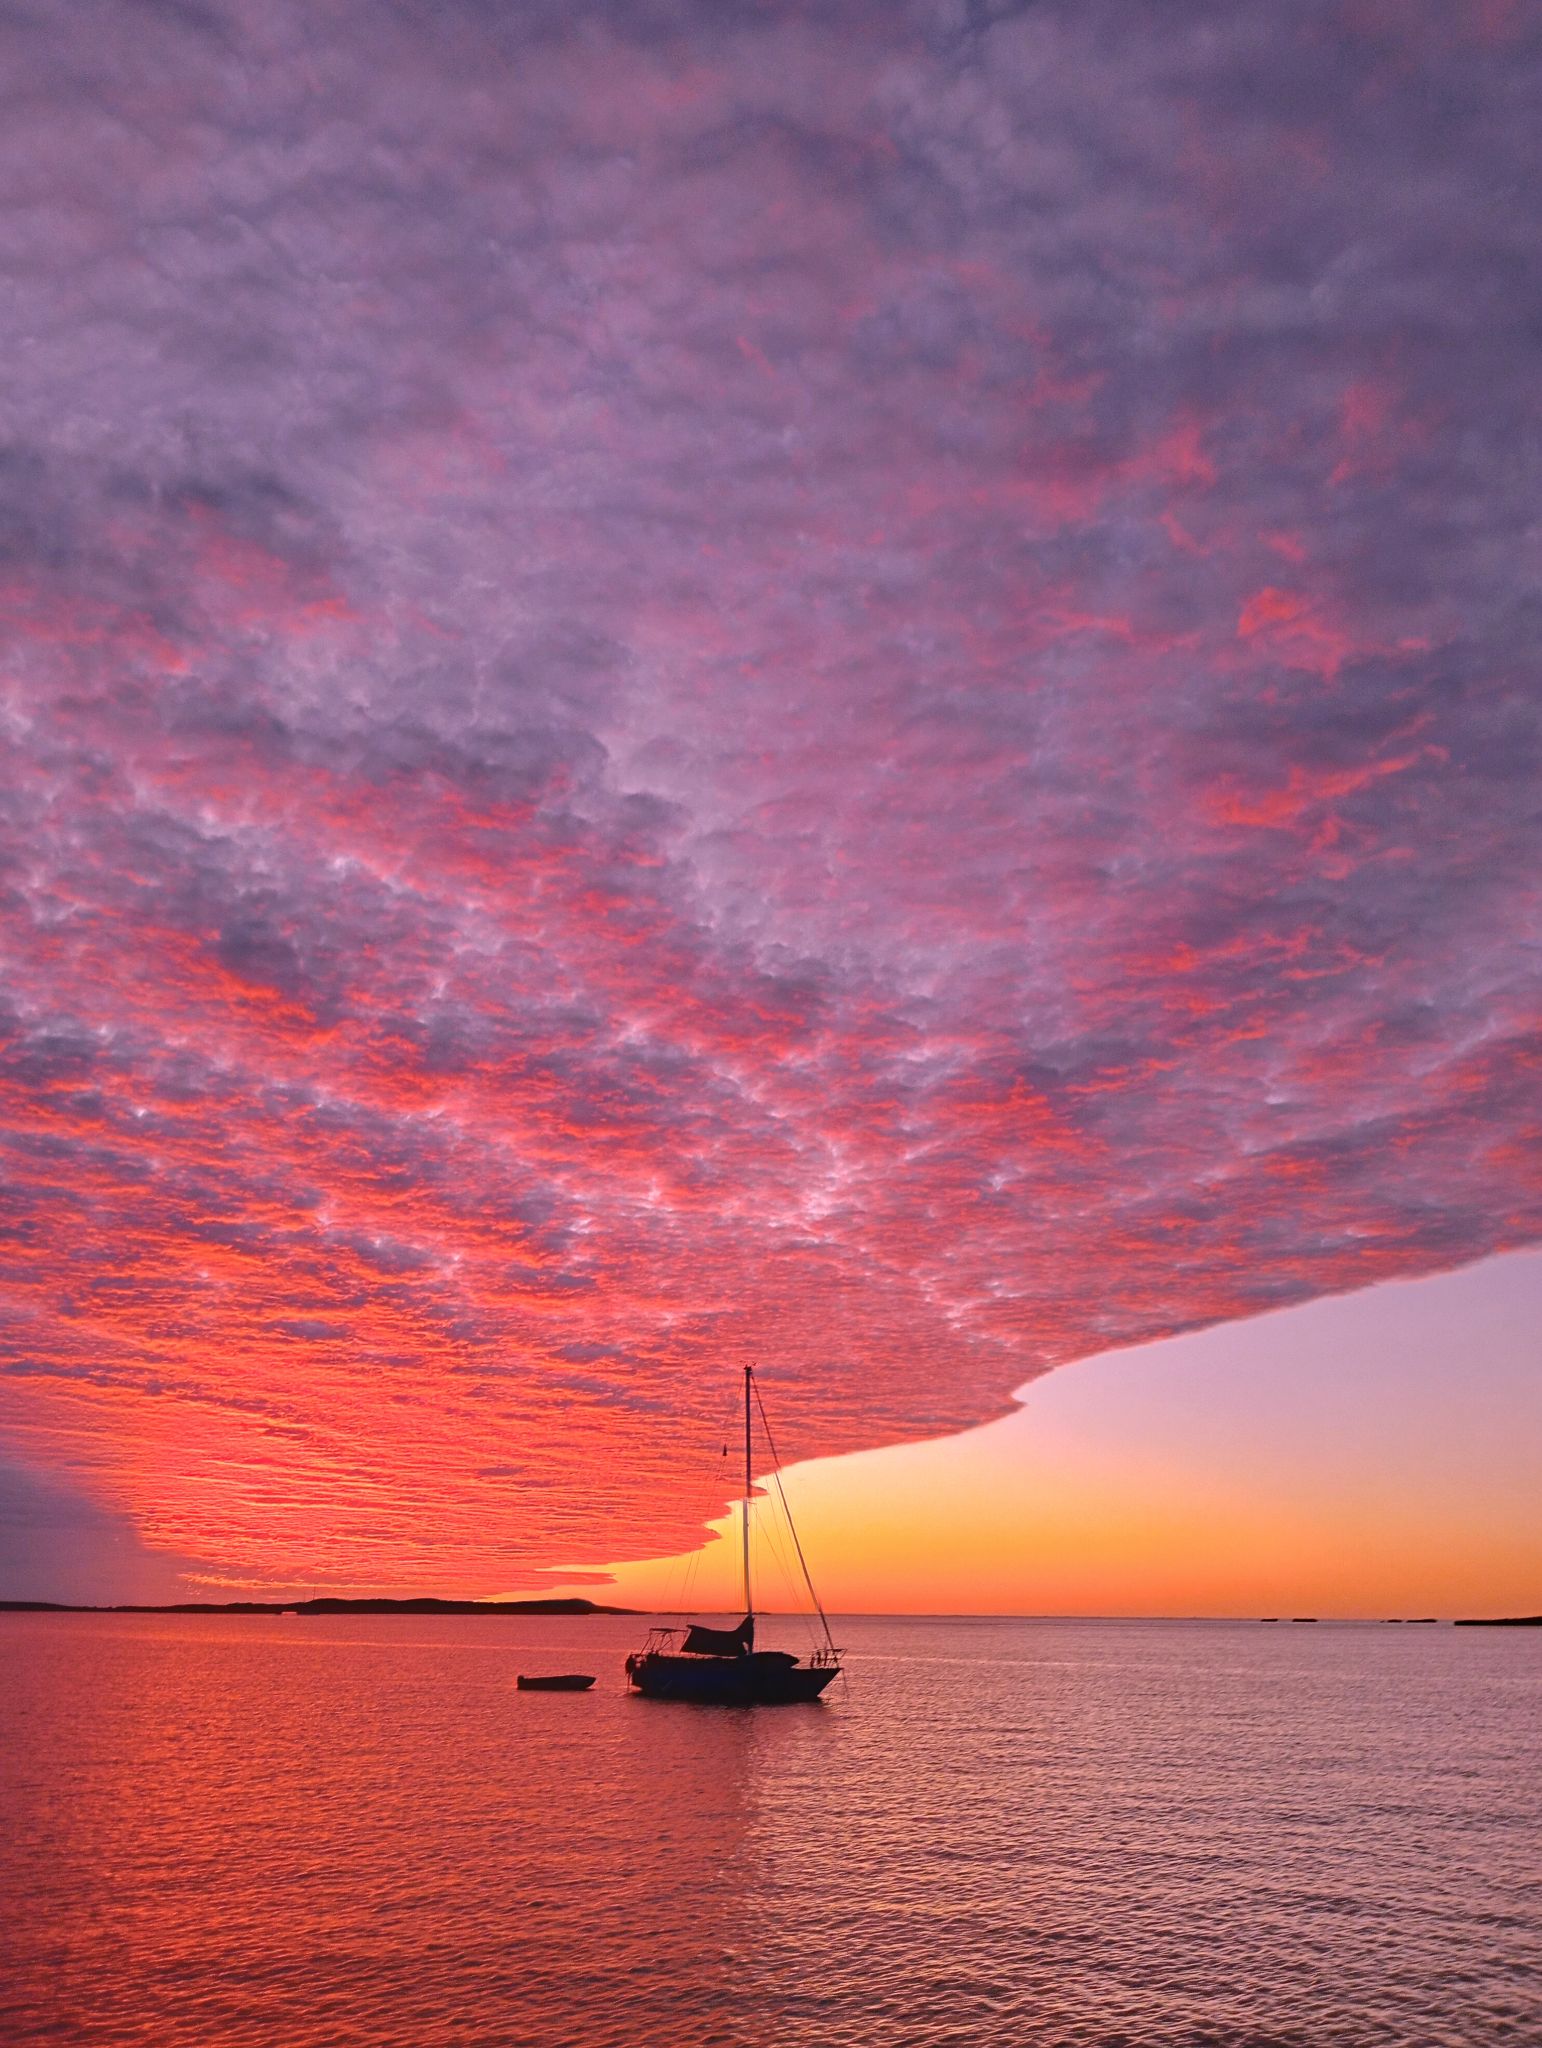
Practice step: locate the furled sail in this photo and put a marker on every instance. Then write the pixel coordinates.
(721, 1642)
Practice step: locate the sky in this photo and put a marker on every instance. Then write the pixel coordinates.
(849, 686)
(1368, 1455)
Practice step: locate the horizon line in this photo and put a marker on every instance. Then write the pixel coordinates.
(579, 1607)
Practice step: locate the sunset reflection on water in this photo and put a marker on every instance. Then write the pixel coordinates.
(356, 1831)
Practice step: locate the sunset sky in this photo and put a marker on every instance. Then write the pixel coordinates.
(1374, 1453)
(844, 685)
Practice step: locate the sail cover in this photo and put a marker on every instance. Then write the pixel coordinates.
(721, 1642)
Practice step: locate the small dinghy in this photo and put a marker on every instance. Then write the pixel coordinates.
(558, 1681)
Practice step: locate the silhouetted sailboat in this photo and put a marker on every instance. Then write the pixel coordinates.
(721, 1666)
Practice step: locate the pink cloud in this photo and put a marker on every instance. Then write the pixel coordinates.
(847, 694)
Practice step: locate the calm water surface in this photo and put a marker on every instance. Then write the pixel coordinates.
(355, 1831)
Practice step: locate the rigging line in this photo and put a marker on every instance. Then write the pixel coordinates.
(792, 1527)
(769, 1537)
(795, 1600)
(688, 1586)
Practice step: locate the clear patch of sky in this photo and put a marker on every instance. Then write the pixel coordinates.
(1372, 1453)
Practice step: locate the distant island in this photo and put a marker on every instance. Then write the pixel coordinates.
(323, 1606)
(1501, 1621)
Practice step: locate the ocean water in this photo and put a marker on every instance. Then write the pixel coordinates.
(270, 1833)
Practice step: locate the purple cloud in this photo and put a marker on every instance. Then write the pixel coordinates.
(846, 686)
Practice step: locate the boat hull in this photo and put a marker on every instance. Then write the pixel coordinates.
(752, 1681)
(562, 1681)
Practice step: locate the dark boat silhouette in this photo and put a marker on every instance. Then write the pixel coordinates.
(556, 1681)
(721, 1667)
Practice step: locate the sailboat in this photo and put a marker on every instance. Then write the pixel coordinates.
(721, 1666)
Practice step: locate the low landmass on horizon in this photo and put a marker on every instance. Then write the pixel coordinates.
(426, 1605)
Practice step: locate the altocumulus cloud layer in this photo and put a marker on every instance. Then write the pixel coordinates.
(685, 682)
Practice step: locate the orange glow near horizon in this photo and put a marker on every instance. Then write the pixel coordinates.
(1241, 1471)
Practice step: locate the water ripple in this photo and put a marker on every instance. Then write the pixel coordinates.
(1069, 1835)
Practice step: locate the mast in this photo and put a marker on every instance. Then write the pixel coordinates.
(749, 1605)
